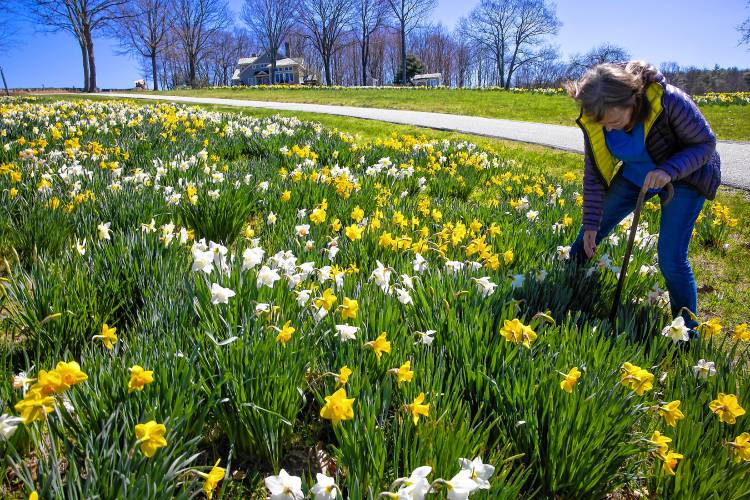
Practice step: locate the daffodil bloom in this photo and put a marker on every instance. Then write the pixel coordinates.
(215, 475)
(284, 487)
(108, 336)
(417, 409)
(34, 495)
(704, 369)
(485, 286)
(379, 345)
(727, 407)
(34, 406)
(403, 373)
(343, 376)
(742, 332)
(8, 425)
(325, 488)
(349, 308)
(267, 277)
(48, 382)
(151, 437)
(346, 332)
(636, 378)
(139, 378)
(677, 330)
(570, 379)
(477, 471)
(103, 230)
(338, 407)
(710, 328)
(670, 459)
(81, 246)
(354, 232)
(661, 443)
(415, 486)
(326, 301)
(285, 333)
(516, 332)
(220, 295)
(671, 413)
(741, 447)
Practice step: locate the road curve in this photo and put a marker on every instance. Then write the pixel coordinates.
(735, 155)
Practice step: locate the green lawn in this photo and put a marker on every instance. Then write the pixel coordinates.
(729, 122)
(722, 274)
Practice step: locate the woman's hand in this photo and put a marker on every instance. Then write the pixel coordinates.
(589, 243)
(656, 179)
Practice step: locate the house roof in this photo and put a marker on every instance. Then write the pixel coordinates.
(427, 76)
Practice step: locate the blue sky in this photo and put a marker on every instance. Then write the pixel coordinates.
(683, 31)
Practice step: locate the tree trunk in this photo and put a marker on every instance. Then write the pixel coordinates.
(403, 54)
(191, 69)
(85, 57)
(327, 68)
(92, 63)
(154, 71)
(365, 56)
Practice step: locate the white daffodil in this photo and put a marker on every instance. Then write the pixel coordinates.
(416, 486)
(81, 246)
(419, 263)
(479, 472)
(426, 336)
(183, 236)
(271, 219)
(677, 330)
(309, 245)
(460, 486)
(220, 295)
(8, 425)
(704, 369)
(252, 257)
(403, 296)
(346, 332)
(647, 270)
(407, 281)
(302, 229)
(203, 260)
(485, 286)
(263, 186)
(284, 487)
(262, 307)
(325, 488)
(303, 297)
(532, 215)
(563, 252)
(267, 277)
(382, 277)
(103, 230)
(320, 313)
(540, 275)
(454, 266)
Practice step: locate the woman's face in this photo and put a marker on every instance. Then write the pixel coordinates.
(616, 118)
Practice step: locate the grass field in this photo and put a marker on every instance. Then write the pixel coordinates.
(730, 122)
(196, 301)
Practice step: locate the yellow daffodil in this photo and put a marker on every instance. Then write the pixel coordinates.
(327, 300)
(661, 442)
(358, 214)
(670, 459)
(338, 407)
(727, 407)
(741, 447)
(403, 373)
(215, 475)
(34, 406)
(48, 382)
(343, 376)
(710, 328)
(354, 232)
(742, 332)
(285, 334)
(139, 378)
(508, 256)
(518, 333)
(286, 195)
(349, 308)
(151, 437)
(570, 379)
(380, 345)
(417, 409)
(70, 374)
(34, 495)
(636, 378)
(671, 413)
(108, 336)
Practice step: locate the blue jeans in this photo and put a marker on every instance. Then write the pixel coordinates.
(675, 230)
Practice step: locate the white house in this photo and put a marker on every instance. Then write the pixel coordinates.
(428, 79)
(256, 70)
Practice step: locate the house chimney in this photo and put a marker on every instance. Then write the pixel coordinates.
(286, 50)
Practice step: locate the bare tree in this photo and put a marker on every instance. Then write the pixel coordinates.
(744, 30)
(142, 30)
(226, 49)
(408, 15)
(325, 22)
(490, 25)
(534, 20)
(270, 21)
(369, 16)
(604, 53)
(81, 18)
(196, 22)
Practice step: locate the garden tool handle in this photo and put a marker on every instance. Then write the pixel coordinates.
(631, 239)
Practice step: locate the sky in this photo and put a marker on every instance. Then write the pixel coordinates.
(654, 30)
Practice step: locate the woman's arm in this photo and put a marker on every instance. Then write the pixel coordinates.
(692, 131)
(594, 190)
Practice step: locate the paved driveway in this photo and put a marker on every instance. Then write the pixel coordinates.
(735, 155)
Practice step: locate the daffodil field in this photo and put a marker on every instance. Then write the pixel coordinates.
(200, 304)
